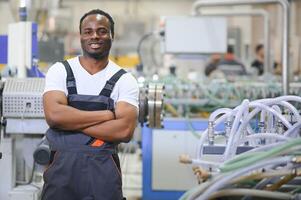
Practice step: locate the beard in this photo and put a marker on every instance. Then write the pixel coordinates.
(97, 55)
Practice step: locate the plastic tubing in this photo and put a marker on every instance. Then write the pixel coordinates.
(255, 158)
(268, 101)
(251, 115)
(244, 124)
(241, 110)
(292, 130)
(270, 110)
(218, 112)
(203, 162)
(271, 120)
(204, 135)
(224, 180)
(262, 175)
(264, 135)
(277, 99)
(266, 147)
(262, 116)
(291, 108)
(251, 192)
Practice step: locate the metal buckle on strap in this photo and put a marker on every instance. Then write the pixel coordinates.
(71, 83)
(109, 85)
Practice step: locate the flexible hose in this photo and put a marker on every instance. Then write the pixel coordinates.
(251, 192)
(224, 180)
(232, 165)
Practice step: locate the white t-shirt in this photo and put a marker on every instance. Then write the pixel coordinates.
(126, 89)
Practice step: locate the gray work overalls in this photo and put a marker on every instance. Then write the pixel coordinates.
(79, 171)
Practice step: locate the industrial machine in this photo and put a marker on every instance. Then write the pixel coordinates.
(22, 128)
(256, 153)
(188, 104)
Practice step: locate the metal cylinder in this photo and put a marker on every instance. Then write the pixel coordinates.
(42, 153)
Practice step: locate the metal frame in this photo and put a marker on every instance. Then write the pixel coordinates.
(285, 36)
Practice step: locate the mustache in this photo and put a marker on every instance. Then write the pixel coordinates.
(96, 42)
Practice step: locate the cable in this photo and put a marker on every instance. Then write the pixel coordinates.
(222, 181)
(192, 130)
(143, 38)
(281, 182)
(263, 175)
(251, 192)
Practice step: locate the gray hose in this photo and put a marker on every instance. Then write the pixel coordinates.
(224, 180)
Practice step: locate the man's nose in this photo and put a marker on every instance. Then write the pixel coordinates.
(95, 34)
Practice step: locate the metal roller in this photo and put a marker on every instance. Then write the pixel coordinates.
(159, 112)
(143, 109)
(151, 105)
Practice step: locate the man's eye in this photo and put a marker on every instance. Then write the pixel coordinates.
(103, 31)
(87, 32)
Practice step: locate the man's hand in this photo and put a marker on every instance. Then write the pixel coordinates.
(119, 130)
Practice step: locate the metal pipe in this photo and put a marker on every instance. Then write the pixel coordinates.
(285, 36)
(257, 12)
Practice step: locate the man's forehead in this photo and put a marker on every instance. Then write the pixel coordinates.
(99, 17)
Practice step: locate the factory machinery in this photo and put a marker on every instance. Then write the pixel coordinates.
(253, 146)
(257, 154)
(24, 155)
(247, 147)
(207, 95)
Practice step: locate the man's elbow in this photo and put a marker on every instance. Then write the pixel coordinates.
(128, 134)
(52, 120)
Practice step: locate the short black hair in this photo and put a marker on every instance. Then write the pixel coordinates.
(95, 12)
(258, 47)
(230, 49)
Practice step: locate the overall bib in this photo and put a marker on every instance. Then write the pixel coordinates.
(82, 167)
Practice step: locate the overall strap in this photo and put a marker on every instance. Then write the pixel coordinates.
(70, 80)
(109, 86)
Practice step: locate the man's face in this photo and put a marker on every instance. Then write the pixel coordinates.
(96, 38)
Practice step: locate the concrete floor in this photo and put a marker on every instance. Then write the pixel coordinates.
(131, 166)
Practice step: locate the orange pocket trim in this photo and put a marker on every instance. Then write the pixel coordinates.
(97, 143)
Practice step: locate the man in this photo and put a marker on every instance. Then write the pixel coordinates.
(229, 64)
(90, 104)
(258, 62)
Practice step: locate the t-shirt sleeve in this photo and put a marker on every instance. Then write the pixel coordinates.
(56, 78)
(128, 89)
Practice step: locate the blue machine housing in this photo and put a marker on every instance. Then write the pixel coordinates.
(147, 143)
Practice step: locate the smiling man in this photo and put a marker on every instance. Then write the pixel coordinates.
(90, 105)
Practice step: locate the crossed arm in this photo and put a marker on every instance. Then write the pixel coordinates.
(98, 124)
